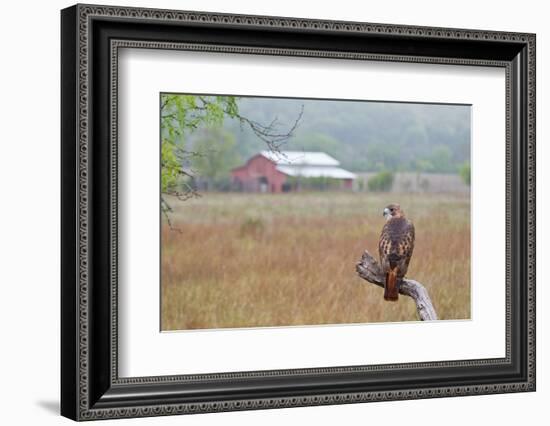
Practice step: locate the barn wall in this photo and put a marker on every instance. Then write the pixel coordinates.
(257, 172)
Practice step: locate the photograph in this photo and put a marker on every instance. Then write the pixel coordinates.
(271, 208)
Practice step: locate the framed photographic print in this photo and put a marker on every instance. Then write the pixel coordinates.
(263, 212)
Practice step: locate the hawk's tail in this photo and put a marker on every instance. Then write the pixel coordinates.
(391, 287)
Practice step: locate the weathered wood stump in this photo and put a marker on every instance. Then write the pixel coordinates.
(370, 270)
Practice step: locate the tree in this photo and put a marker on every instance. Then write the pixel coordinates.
(465, 173)
(382, 181)
(441, 158)
(217, 157)
(318, 142)
(382, 157)
(423, 166)
(181, 115)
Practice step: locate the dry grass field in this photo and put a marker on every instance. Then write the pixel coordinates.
(250, 260)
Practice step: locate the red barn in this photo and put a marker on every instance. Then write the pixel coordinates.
(271, 171)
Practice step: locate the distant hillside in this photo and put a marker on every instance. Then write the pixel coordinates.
(365, 136)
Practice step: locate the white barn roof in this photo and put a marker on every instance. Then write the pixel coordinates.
(314, 172)
(307, 164)
(300, 158)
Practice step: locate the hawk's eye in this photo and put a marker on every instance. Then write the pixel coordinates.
(391, 210)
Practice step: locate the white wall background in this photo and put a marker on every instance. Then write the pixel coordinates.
(29, 212)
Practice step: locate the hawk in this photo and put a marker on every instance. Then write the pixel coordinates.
(395, 247)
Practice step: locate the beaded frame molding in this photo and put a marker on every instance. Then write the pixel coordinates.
(91, 38)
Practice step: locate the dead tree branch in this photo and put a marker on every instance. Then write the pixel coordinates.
(369, 269)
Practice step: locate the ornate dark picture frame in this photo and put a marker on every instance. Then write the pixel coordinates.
(90, 385)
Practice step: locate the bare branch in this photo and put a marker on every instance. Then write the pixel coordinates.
(269, 133)
(369, 269)
(165, 208)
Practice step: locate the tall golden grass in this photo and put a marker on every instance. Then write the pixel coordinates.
(250, 260)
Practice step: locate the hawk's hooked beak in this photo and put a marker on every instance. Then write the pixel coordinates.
(386, 213)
